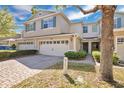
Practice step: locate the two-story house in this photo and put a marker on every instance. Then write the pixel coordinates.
(119, 34)
(52, 33)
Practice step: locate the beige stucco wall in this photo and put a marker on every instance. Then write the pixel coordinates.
(120, 51)
(77, 28)
(62, 26)
(119, 48)
(37, 40)
(77, 44)
(40, 32)
(90, 32)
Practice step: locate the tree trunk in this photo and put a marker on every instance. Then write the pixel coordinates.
(107, 42)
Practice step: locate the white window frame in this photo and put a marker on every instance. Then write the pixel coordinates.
(31, 25)
(116, 41)
(115, 22)
(83, 29)
(49, 22)
(94, 25)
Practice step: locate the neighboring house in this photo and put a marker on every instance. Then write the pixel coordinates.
(9, 40)
(52, 33)
(119, 34)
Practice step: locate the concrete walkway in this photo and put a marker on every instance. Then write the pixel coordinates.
(15, 70)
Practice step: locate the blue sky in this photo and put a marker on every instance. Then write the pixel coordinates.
(22, 13)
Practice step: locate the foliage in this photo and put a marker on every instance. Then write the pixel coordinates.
(115, 59)
(7, 24)
(96, 55)
(34, 10)
(13, 46)
(75, 55)
(9, 54)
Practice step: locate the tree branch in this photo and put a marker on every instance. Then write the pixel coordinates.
(87, 11)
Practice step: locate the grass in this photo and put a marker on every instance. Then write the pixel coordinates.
(7, 50)
(79, 76)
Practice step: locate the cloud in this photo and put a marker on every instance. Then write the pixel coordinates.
(24, 7)
(121, 10)
(77, 15)
(87, 7)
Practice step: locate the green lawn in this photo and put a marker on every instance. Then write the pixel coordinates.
(7, 50)
(79, 76)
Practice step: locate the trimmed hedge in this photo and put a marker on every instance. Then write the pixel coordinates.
(96, 55)
(75, 55)
(7, 55)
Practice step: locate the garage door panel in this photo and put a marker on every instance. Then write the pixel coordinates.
(53, 49)
(26, 47)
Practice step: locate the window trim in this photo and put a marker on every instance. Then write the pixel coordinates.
(85, 27)
(116, 22)
(30, 25)
(48, 20)
(96, 27)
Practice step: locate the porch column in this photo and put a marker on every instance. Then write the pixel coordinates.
(35, 44)
(89, 47)
(74, 43)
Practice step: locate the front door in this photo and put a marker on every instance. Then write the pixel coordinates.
(95, 46)
(85, 46)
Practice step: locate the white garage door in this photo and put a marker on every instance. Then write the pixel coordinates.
(26, 46)
(120, 48)
(56, 48)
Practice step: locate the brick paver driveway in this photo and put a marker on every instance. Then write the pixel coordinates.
(15, 70)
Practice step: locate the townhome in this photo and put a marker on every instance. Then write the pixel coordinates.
(52, 33)
(119, 34)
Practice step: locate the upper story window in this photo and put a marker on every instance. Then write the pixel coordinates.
(30, 27)
(48, 22)
(85, 29)
(117, 22)
(94, 28)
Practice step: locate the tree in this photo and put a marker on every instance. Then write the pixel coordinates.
(7, 24)
(107, 40)
(34, 10)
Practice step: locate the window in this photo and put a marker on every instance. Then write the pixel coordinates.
(30, 27)
(47, 42)
(54, 42)
(44, 42)
(66, 41)
(58, 42)
(50, 42)
(117, 22)
(94, 28)
(48, 23)
(120, 40)
(85, 29)
(62, 42)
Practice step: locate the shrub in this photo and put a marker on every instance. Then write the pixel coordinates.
(13, 46)
(115, 59)
(6, 55)
(75, 55)
(96, 55)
